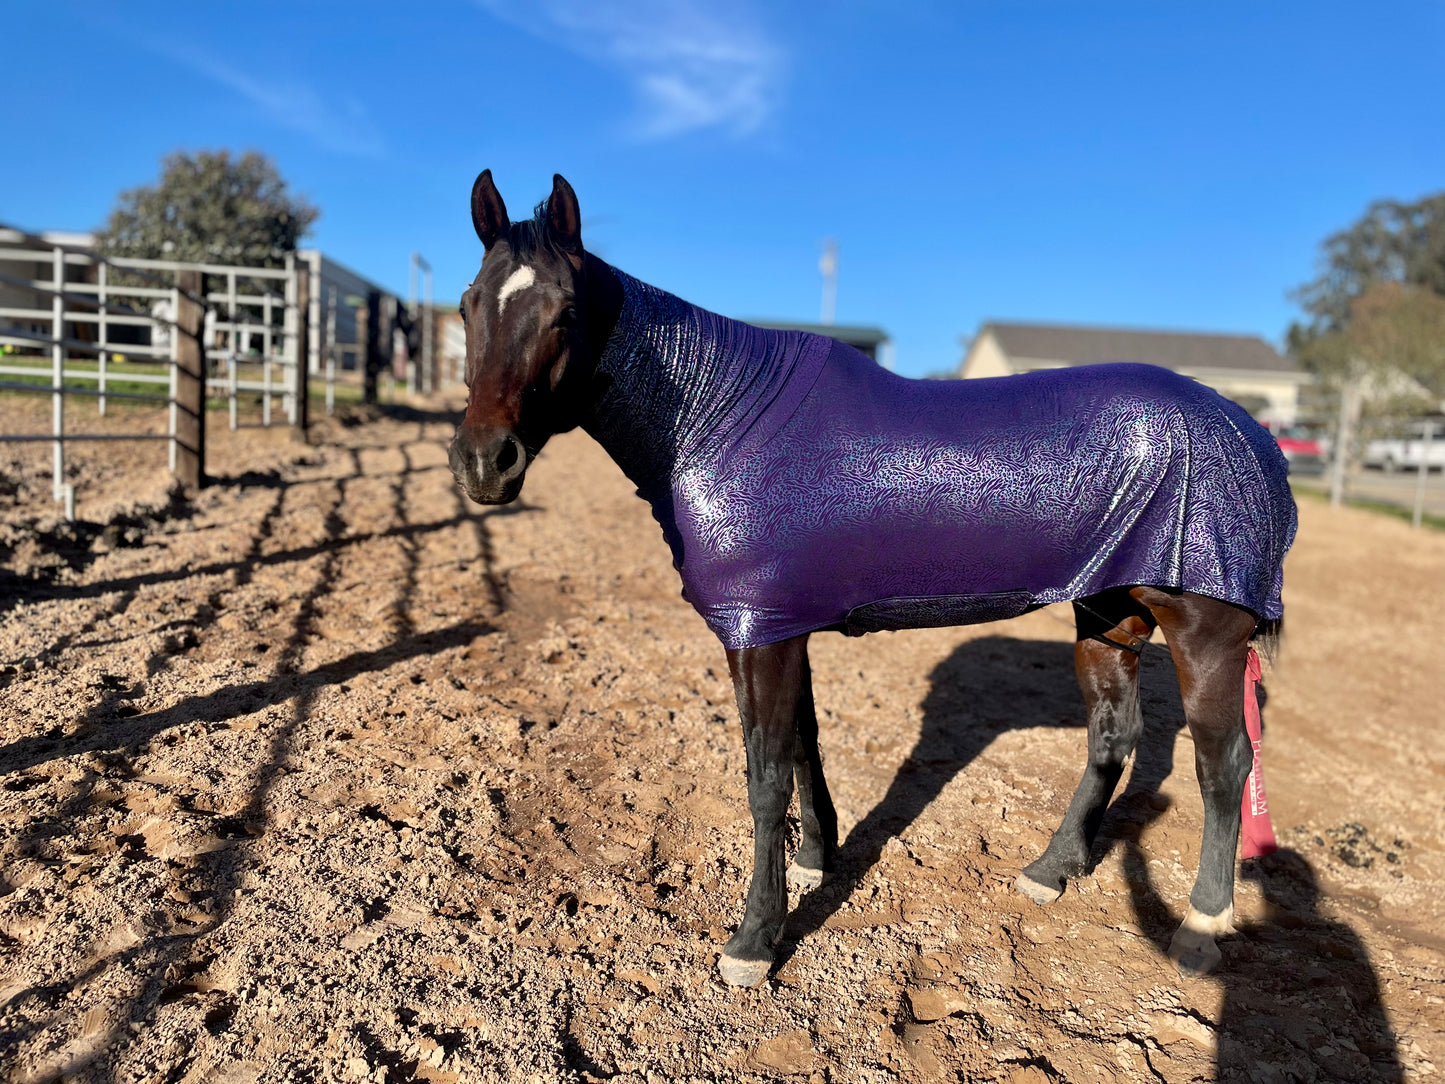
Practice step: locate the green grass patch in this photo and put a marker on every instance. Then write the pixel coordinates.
(345, 393)
(115, 376)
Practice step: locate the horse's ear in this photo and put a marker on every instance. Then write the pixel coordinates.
(564, 220)
(489, 213)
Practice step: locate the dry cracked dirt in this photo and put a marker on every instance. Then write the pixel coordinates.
(327, 775)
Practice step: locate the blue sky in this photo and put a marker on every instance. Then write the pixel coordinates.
(1146, 164)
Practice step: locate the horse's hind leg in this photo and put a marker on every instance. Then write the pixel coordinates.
(1109, 679)
(814, 860)
(1209, 640)
(772, 686)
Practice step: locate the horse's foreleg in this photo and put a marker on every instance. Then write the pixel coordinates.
(1109, 680)
(1209, 641)
(770, 683)
(814, 860)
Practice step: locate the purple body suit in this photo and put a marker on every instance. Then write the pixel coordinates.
(803, 487)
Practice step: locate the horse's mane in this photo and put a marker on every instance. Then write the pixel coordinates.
(526, 238)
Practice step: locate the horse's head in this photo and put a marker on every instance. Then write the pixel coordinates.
(523, 334)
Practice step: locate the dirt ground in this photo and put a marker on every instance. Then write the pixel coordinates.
(327, 775)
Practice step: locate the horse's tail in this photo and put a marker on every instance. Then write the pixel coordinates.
(1267, 635)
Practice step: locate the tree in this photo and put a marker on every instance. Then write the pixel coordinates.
(1375, 309)
(1393, 242)
(1392, 339)
(210, 208)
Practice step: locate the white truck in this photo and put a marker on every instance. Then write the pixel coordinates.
(1408, 453)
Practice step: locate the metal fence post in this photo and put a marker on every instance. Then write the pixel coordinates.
(301, 345)
(190, 382)
(291, 318)
(428, 347)
(175, 367)
(63, 491)
(330, 350)
(1427, 435)
(102, 329)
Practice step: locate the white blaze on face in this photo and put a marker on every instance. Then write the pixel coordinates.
(516, 282)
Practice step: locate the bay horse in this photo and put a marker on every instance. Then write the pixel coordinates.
(801, 488)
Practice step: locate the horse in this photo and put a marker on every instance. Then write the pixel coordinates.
(804, 488)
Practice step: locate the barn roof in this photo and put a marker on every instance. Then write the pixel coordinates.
(1180, 350)
(852, 334)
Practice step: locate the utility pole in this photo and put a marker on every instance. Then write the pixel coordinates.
(828, 266)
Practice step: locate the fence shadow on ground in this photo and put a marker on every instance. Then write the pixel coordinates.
(406, 412)
(171, 952)
(1281, 977)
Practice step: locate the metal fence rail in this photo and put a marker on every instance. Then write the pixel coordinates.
(84, 309)
(74, 323)
(245, 318)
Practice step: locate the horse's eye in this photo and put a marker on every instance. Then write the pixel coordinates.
(566, 318)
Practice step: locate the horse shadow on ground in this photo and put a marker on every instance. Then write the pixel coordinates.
(1301, 998)
(1281, 978)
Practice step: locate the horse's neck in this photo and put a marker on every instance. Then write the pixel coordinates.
(664, 368)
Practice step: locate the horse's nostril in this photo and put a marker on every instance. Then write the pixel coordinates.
(507, 456)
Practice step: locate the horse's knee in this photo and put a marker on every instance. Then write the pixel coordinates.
(1110, 747)
(770, 790)
(1223, 758)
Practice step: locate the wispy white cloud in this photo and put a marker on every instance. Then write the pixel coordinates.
(694, 64)
(343, 126)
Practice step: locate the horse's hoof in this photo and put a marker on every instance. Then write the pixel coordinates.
(805, 878)
(745, 973)
(1193, 948)
(1042, 895)
(1195, 953)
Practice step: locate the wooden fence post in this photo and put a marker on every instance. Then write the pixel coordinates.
(303, 352)
(190, 382)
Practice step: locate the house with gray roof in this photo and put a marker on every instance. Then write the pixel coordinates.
(1244, 368)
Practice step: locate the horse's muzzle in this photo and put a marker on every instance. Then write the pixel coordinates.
(490, 467)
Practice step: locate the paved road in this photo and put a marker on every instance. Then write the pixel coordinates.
(1397, 489)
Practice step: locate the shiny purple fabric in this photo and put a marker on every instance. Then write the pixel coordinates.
(803, 487)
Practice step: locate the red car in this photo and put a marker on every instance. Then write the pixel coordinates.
(1303, 452)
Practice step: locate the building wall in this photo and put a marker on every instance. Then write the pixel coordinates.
(1271, 397)
(1279, 391)
(328, 275)
(985, 358)
(449, 338)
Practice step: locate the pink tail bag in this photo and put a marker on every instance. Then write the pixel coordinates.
(1256, 833)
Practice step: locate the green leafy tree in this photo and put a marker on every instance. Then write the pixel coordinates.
(1393, 242)
(1393, 339)
(210, 207)
(1377, 309)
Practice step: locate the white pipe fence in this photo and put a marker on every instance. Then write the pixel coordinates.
(76, 323)
(93, 307)
(249, 345)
